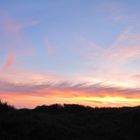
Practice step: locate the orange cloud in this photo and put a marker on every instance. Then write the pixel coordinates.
(92, 95)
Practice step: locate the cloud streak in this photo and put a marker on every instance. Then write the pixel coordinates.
(9, 62)
(97, 89)
(83, 93)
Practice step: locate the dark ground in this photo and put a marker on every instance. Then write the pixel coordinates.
(69, 122)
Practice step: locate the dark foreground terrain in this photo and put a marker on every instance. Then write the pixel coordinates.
(69, 122)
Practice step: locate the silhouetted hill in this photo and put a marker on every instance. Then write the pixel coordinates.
(69, 122)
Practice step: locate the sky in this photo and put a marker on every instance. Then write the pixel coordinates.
(70, 51)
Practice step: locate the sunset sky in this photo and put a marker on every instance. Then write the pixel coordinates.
(70, 51)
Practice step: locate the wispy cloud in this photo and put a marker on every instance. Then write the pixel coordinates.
(79, 89)
(9, 62)
(12, 32)
(114, 10)
(126, 48)
(84, 93)
(108, 64)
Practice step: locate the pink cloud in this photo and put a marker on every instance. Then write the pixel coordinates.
(9, 62)
(11, 25)
(126, 48)
(12, 29)
(108, 64)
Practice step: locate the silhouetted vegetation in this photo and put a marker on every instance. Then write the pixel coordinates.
(69, 122)
(5, 107)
